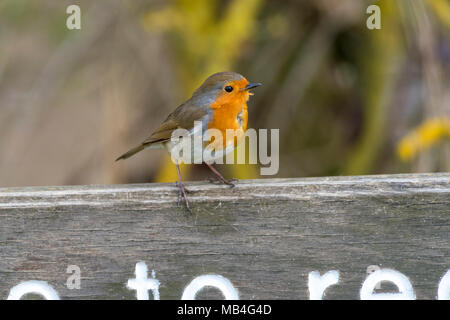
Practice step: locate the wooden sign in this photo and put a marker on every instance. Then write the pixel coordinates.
(336, 238)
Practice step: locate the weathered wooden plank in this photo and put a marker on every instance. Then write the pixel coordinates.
(265, 236)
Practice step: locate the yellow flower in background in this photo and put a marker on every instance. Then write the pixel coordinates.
(424, 136)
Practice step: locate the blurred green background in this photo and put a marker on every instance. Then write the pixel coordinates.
(348, 100)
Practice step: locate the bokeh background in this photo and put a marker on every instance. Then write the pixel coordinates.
(348, 100)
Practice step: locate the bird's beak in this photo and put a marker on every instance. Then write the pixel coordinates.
(251, 85)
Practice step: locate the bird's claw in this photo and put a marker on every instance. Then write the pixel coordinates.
(223, 181)
(182, 195)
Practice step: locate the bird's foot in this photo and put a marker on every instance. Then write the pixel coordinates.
(218, 180)
(182, 195)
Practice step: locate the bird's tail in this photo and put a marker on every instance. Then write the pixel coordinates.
(131, 152)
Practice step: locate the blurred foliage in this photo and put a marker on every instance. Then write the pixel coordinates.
(206, 37)
(442, 10)
(347, 100)
(379, 76)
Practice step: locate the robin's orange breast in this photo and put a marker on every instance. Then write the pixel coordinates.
(230, 115)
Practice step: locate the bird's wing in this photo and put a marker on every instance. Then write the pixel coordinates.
(163, 133)
(183, 117)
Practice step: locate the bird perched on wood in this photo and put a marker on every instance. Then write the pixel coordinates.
(220, 103)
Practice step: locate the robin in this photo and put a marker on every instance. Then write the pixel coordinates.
(221, 104)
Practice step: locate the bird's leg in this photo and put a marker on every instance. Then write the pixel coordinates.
(219, 176)
(181, 190)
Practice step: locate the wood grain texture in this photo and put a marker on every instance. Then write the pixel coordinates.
(265, 236)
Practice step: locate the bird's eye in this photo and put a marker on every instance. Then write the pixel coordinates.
(228, 88)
